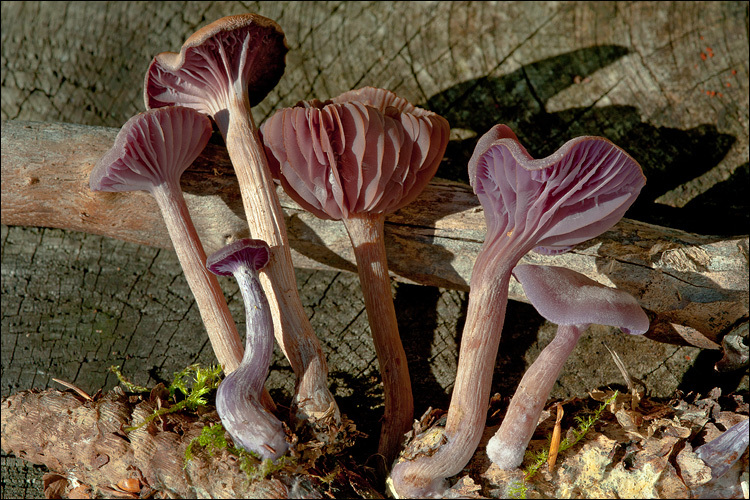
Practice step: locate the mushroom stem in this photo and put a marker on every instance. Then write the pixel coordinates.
(215, 314)
(237, 400)
(573, 301)
(258, 347)
(220, 326)
(508, 446)
(467, 414)
(368, 240)
(151, 152)
(266, 221)
(551, 204)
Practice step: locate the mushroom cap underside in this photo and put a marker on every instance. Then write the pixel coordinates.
(246, 48)
(366, 151)
(153, 147)
(567, 297)
(556, 202)
(245, 252)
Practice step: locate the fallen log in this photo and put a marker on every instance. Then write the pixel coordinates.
(86, 443)
(89, 442)
(694, 287)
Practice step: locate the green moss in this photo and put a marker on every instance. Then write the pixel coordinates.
(129, 386)
(195, 383)
(519, 489)
(212, 438)
(257, 471)
(190, 389)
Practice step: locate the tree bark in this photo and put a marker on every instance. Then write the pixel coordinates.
(89, 441)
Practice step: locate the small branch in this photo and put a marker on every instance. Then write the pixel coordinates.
(694, 287)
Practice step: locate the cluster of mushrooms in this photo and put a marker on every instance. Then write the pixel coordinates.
(357, 158)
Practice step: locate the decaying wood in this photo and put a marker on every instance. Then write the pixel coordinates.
(87, 441)
(86, 444)
(694, 286)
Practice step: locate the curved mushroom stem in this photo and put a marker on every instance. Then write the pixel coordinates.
(367, 237)
(488, 298)
(220, 326)
(258, 323)
(507, 447)
(266, 221)
(237, 399)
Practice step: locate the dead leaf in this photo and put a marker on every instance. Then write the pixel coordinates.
(54, 485)
(694, 471)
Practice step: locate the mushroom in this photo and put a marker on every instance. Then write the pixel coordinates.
(572, 301)
(721, 453)
(222, 70)
(237, 400)
(550, 205)
(356, 158)
(150, 153)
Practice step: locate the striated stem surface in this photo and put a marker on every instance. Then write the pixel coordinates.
(259, 324)
(220, 326)
(367, 236)
(507, 447)
(425, 476)
(266, 221)
(215, 314)
(238, 397)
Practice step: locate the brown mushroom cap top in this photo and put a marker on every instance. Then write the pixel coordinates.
(152, 148)
(245, 52)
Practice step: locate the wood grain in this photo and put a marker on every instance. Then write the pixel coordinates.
(638, 73)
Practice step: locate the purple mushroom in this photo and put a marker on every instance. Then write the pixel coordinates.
(550, 205)
(356, 158)
(721, 453)
(572, 301)
(238, 399)
(151, 152)
(222, 70)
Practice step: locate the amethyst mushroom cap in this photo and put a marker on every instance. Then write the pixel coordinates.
(150, 153)
(356, 158)
(572, 301)
(235, 57)
(721, 453)
(366, 151)
(238, 398)
(566, 297)
(548, 204)
(222, 70)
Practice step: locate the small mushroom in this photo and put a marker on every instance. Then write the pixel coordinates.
(150, 153)
(222, 70)
(549, 204)
(572, 301)
(237, 401)
(356, 158)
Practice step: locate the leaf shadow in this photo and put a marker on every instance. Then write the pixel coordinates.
(417, 313)
(669, 156)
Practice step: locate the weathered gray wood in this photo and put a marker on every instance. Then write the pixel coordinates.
(638, 73)
(695, 286)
